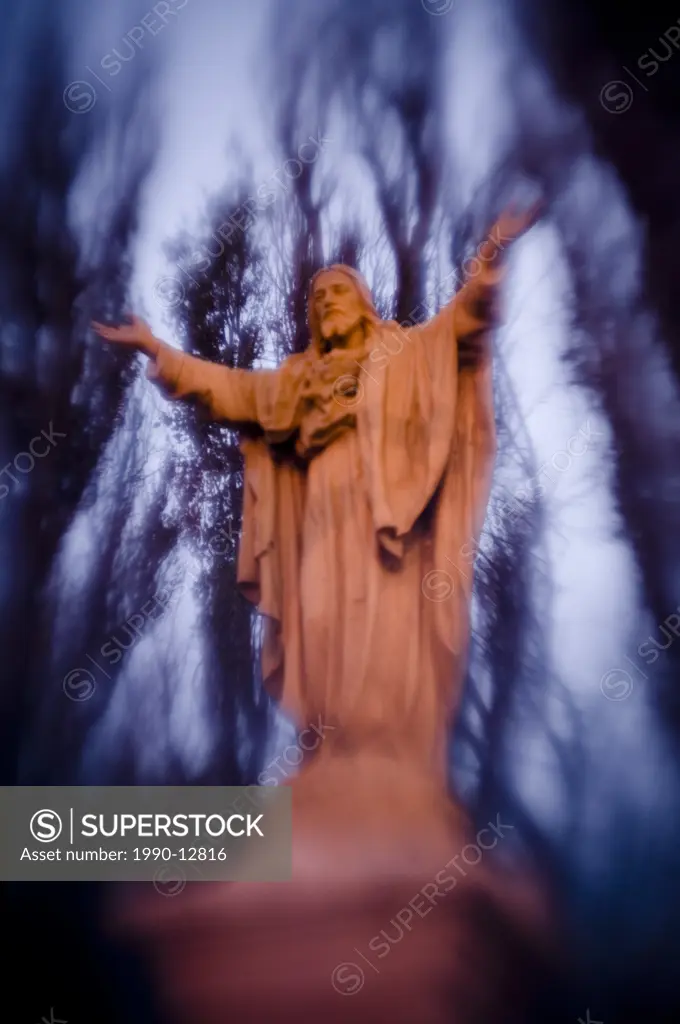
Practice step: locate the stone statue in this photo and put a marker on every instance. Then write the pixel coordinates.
(368, 463)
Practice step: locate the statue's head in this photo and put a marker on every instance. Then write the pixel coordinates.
(339, 299)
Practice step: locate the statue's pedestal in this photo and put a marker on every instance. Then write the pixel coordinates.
(374, 926)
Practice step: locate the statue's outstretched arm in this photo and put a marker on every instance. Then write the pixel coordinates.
(224, 394)
(475, 309)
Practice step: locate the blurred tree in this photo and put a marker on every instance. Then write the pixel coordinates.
(222, 316)
(51, 383)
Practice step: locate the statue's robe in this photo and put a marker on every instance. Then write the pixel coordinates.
(367, 475)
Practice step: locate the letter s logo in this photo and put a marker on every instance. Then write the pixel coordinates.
(45, 826)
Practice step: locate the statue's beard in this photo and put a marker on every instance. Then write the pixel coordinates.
(342, 338)
(333, 341)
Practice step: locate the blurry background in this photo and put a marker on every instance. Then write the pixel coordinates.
(197, 161)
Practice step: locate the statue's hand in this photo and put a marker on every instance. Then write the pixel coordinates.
(515, 222)
(137, 335)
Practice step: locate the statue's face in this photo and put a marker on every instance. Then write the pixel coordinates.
(337, 304)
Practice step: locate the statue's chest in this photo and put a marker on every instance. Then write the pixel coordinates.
(330, 396)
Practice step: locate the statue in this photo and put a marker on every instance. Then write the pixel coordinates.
(368, 462)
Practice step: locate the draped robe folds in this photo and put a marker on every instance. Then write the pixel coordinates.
(367, 475)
